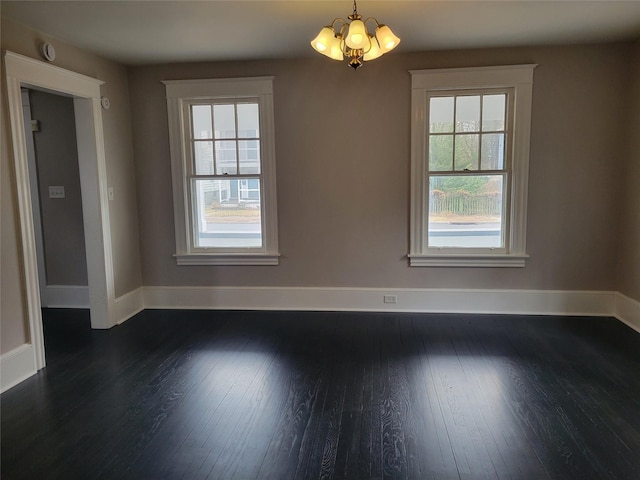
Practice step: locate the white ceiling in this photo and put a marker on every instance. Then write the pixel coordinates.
(145, 32)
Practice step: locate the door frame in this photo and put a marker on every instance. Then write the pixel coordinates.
(21, 71)
(35, 195)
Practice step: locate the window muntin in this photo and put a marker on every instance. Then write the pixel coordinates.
(467, 174)
(223, 166)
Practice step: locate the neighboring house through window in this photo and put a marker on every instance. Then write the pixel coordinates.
(223, 168)
(470, 162)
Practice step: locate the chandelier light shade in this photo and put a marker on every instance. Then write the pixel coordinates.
(324, 40)
(374, 52)
(386, 38)
(357, 36)
(358, 45)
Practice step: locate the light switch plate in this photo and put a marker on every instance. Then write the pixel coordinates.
(56, 192)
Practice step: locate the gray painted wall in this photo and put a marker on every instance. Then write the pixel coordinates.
(343, 156)
(629, 250)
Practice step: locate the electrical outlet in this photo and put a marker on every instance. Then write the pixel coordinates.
(390, 299)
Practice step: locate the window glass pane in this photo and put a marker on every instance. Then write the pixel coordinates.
(492, 155)
(248, 120)
(493, 109)
(440, 152)
(465, 211)
(467, 152)
(224, 119)
(203, 153)
(227, 213)
(226, 157)
(201, 115)
(441, 115)
(249, 152)
(468, 113)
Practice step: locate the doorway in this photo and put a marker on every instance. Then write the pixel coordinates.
(23, 72)
(56, 202)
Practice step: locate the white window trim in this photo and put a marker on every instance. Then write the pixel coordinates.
(180, 92)
(520, 79)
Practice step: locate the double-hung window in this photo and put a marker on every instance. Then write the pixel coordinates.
(470, 160)
(223, 168)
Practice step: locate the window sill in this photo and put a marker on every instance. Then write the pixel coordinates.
(462, 260)
(227, 259)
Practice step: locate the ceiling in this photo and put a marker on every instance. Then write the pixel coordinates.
(147, 32)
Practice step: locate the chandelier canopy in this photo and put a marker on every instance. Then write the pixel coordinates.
(358, 45)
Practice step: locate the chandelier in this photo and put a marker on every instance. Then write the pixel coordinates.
(358, 45)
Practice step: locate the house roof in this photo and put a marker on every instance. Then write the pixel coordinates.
(147, 32)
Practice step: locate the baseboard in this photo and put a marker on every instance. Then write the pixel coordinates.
(627, 310)
(77, 296)
(19, 364)
(16, 366)
(67, 296)
(128, 305)
(535, 302)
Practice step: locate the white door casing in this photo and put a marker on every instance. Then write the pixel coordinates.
(26, 72)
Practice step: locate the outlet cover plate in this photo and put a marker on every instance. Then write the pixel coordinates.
(390, 299)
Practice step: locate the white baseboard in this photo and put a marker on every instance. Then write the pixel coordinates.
(523, 302)
(627, 310)
(536, 302)
(16, 366)
(67, 296)
(77, 296)
(128, 305)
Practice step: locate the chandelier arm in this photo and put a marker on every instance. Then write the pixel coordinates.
(374, 19)
(336, 20)
(372, 38)
(343, 46)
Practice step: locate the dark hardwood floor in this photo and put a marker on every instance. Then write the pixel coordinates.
(289, 395)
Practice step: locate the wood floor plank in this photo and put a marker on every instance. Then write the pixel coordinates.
(435, 450)
(261, 395)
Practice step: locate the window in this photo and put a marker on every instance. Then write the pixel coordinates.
(223, 168)
(470, 161)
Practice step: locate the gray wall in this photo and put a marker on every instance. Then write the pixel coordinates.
(57, 164)
(123, 212)
(343, 155)
(629, 249)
